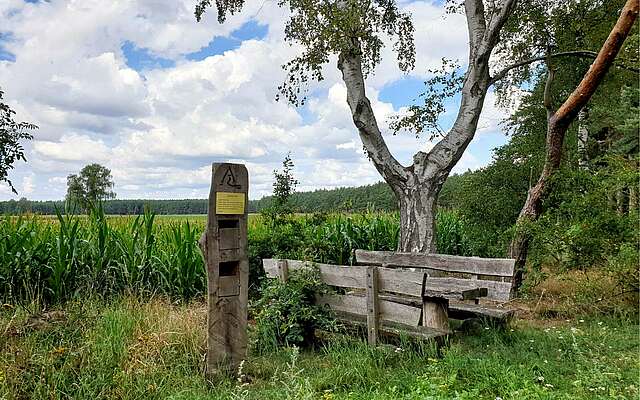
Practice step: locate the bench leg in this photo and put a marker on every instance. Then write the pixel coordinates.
(435, 313)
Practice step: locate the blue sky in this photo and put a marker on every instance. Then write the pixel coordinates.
(157, 97)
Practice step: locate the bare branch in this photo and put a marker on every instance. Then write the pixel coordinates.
(581, 95)
(497, 22)
(578, 53)
(350, 64)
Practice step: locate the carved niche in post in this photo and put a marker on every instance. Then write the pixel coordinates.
(224, 249)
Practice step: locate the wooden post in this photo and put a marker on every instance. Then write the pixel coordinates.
(224, 249)
(283, 270)
(373, 311)
(435, 310)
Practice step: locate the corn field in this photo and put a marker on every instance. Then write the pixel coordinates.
(48, 260)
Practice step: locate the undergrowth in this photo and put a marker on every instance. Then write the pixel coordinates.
(131, 349)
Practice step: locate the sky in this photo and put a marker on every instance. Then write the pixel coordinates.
(142, 88)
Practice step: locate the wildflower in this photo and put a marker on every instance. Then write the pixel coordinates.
(399, 350)
(550, 386)
(599, 322)
(581, 321)
(58, 351)
(540, 379)
(486, 328)
(531, 341)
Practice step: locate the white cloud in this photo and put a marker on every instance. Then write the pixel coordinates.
(158, 130)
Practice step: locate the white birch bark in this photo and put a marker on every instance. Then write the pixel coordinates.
(417, 186)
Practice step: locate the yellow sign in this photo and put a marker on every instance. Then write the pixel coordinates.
(229, 203)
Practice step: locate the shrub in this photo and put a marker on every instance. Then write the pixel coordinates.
(287, 314)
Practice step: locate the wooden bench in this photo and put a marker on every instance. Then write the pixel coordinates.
(456, 273)
(366, 302)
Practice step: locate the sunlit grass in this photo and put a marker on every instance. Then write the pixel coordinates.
(129, 349)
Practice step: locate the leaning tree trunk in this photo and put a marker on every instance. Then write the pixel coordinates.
(557, 124)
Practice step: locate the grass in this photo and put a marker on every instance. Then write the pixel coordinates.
(132, 349)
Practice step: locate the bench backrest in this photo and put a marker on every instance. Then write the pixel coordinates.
(493, 273)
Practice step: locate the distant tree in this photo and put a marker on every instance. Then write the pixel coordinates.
(11, 133)
(94, 183)
(284, 185)
(283, 188)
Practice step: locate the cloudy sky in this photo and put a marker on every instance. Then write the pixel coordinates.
(140, 87)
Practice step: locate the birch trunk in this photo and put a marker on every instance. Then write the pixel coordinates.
(417, 186)
(583, 137)
(418, 220)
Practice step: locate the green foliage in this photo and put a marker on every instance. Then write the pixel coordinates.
(129, 349)
(93, 184)
(580, 229)
(51, 260)
(286, 313)
(446, 82)
(11, 133)
(284, 186)
(325, 28)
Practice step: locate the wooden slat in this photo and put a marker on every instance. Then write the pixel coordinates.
(283, 270)
(373, 313)
(332, 275)
(471, 265)
(464, 310)
(467, 294)
(394, 329)
(389, 311)
(403, 281)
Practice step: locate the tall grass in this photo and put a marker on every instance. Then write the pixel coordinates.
(45, 260)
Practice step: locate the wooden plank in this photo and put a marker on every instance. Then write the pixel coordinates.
(389, 311)
(400, 313)
(283, 270)
(403, 281)
(471, 265)
(394, 329)
(372, 306)
(345, 303)
(435, 312)
(332, 275)
(467, 294)
(464, 311)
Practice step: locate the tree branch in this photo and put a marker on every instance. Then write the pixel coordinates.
(497, 22)
(476, 24)
(581, 95)
(578, 53)
(350, 64)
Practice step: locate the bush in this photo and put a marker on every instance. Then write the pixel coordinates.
(287, 314)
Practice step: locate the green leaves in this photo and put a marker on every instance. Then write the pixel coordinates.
(328, 28)
(93, 184)
(287, 314)
(11, 134)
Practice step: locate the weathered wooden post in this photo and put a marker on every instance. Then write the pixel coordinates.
(224, 249)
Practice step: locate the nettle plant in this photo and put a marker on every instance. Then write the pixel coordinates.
(286, 313)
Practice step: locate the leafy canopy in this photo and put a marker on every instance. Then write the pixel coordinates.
(11, 133)
(93, 184)
(326, 28)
